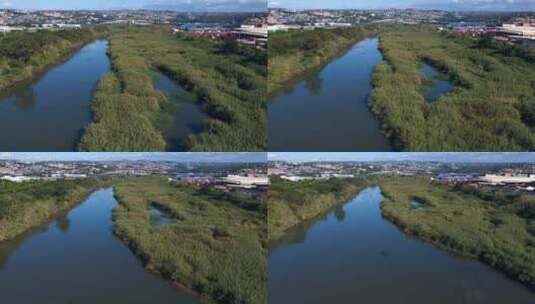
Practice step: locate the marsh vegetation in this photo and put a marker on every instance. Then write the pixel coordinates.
(213, 242)
(24, 54)
(30, 204)
(290, 203)
(295, 52)
(489, 108)
(491, 226)
(208, 243)
(352, 242)
(228, 80)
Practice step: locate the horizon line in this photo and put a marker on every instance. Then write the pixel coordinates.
(408, 8)
(132, 9)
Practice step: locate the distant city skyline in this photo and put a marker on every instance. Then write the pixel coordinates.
(467, 157)
(451, 5)
(135, 156)
(176, 5)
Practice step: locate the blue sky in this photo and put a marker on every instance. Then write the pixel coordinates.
(507, 5)
(180, 5)
(178, 157)
(401, 156)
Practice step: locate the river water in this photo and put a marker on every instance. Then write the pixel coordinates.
(186, 114)
(353, 255)
(328, 110)
(77, 259)
(439, 85)
(49, 112)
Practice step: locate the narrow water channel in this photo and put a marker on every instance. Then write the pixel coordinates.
(159, 217)
(440, 84)
(328, 110)
(49, 112)
(353, 255)
(186, 114)
(77, 259)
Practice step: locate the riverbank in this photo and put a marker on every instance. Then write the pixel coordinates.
(24, 55)
(296, 52)
(48, 111)
(497, 230)
(31, 204)
(489, 108)
(61, 255)
(228, 79)
(214, 243)
(333, 107)
(290, 203)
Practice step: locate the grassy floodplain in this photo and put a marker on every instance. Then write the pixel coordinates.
(30, 204)
(25, 54)
(215, 244)
(228, 79)
(490, 108)
(492, 227)
(290, 203)
(296, 52)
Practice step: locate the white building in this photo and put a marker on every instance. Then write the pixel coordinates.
(502, 179)
(7, 29)
(520, 31)
(18, 179)
(248, 181)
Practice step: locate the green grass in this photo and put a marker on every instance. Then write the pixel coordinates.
(30, 204)
(227, 79)
(293, 53)
(290, 203)
(489, 110)
(215, 244)
(25, 54)
(495, 228)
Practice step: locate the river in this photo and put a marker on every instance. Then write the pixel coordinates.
(50, 111)
(186, 115)
(353, 255)
(77, 259)
(328, 110)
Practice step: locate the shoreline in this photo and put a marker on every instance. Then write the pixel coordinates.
(54, 214)
(40, 70)
(513, 274)
(318, 62)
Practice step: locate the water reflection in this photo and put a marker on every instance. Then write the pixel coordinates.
(86, 265)
(440, 84)
(63, 223)
(339, 214)
(327, 109)
(158, 216)
(187, 116)
(356, 256)
(22, 96)
(313, 83)
(48, 112)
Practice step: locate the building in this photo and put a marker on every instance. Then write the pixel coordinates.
(246, 181)
(7, 29)
(520, 31)
(507, 179)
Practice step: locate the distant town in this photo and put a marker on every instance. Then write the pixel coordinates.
(226, 177)
(246, 28)
(507, 177)
(509, 27)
